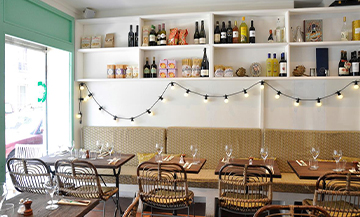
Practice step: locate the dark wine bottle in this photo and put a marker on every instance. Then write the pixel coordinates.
(252, 32)
(283, 66)
(223, 34)
(147, 69)
(158, 36)
(343, 71)
(131, 38)
(354, 70)
(152, 36)
(153, 69)
(229, 34)
(196, 34)
(137, 36)
(217, 33)
(202, 39)
(204, 72)
(163, 35)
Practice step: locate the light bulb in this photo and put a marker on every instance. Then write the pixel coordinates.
(172, 86)
(206, 99)
(262, 85)
(186, 94)
(246, 94)
(162, 99)
(297, 102)
(150, 113)
(339, 95)
(86, 98)
(132, 121)
(318, 103)
(115, 119)
(356, 85)
(226, 100)
(82, 86)
(78, 115)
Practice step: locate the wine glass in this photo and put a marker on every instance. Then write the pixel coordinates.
(337, 154)
(50, 187)
(109, 147)
(194, 150)
(71, 146)
(3, 193)
(159, 149)
(56, 191)
(228, 151)
(99, 146)
(264, 152)
(315, 151)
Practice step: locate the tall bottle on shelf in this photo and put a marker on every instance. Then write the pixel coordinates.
(147, 69)
(158, 36)
(153, 69)
(202, 39)
(344, 31)
(163, 35)
(283, 66)
(217, 33)
(269, 66)
(204, 66)
(354, 70)
(280, 31)
(275, 66)
(229, 33)
(137, 36)
(152, 36)
(131, 37)
(252, 32)
(343, 64)
(235, 33)
(223, 34)
(270, 38)
(243, 31)
(197, 33)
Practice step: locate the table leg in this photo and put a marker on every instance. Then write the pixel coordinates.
(118, 207)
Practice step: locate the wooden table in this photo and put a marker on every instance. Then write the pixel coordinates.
(303, 172)
(195, 168)
(40, 202)
(277, 173)
(99, 164)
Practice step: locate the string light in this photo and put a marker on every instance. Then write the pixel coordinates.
(356, 86)
(186, 94)
(226, 100)
(206, 99)
(246, 94)
(339, 95)
(297, 102)
(115, 118)
(172, 86)
(78, 115)
(262, 85)
(277, 96)
(100, 108)
(162, 99)
(82, 86)
(318, 102)
(132, 120)
(88, 97)
(150, 113)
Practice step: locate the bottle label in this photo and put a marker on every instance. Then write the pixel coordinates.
(223, 35)
(243, 36)
(235, 34)
(283, 68)
(153, 71)
(355, 67)
(345, 36)
(196, 40)
(146, 71)
(252, 33)
(163, 42)
(152, 37)
(357, 30)
(276, 69)
(195, 71)
(343, 71)
(163, 35)
(204, 72)
(217, 38)
(202, 40)
(269, 72)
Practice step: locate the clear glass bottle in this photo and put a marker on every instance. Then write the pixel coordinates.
(243, 31)
(344, 31)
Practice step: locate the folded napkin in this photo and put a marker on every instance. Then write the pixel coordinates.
(103, 154)
(74, 202)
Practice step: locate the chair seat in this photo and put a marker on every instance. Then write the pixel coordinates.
(108, 191)
(237, 201)
(167, 198)
(331, 205)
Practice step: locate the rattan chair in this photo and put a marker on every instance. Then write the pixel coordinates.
(164, 186)
(28, 175)
(29, 150)
(291, 211)
(338, 193)
(132, 208)
(243, 189)
(80, 179)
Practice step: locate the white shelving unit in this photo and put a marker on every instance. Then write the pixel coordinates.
(91, 63)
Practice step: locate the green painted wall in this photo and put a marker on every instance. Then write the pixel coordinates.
(35, 21)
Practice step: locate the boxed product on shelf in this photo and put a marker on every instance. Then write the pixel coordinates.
(129, 71)
(173, 37)
(219, 70)
(109, 40)
(171, 64)
(85, 42)
(182, 36)
(163, 64)
(110, 71)
(229, 71)
(163, 73)
(146, 30)
(186, 67)
(171, 73)
(196, 67)
(96, 42)
(120, 71)
(135, 72)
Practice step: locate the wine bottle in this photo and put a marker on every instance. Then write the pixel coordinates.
(343, 71)
(344, 31)
(243, 31)
(204, 66)
(152, 36)
(137, 36)
(229, 34)
(283, 66)
(196, 34)
(280, 31)
(270, 38)
(252, 32)
(269, 66)
(275, 66)
(354, 70)
(217, 33)
(223, 34)
(163, 35)
(202, 39)
(158, 36)
(235, 33)
(131, 38)
(147, 69)
(153, 69)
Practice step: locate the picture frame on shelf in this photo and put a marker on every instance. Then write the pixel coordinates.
(313, 30)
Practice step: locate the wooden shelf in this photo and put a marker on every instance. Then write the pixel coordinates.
(324, 43)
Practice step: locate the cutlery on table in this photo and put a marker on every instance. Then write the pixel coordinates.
(298, 162)
(166, 158)
(188, 167)
(170, 157)
(303, 163)
(186, 164)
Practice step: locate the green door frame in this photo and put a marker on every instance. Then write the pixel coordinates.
(35, 21)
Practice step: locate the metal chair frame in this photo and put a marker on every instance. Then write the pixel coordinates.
(306, 211)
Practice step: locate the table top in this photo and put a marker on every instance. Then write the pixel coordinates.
(195, 168)
(98, 163)
(40, 202)
(303, 172)
(277, 173)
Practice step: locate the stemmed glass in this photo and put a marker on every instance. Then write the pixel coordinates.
(3, 193)
(56, 191)
(71, 148)
(159, 149)
(264, 152)
(109, 147)
(50, 187)
(337, 154)
(315, 151)
(228, 151)
(194, 150)
(99, 146)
